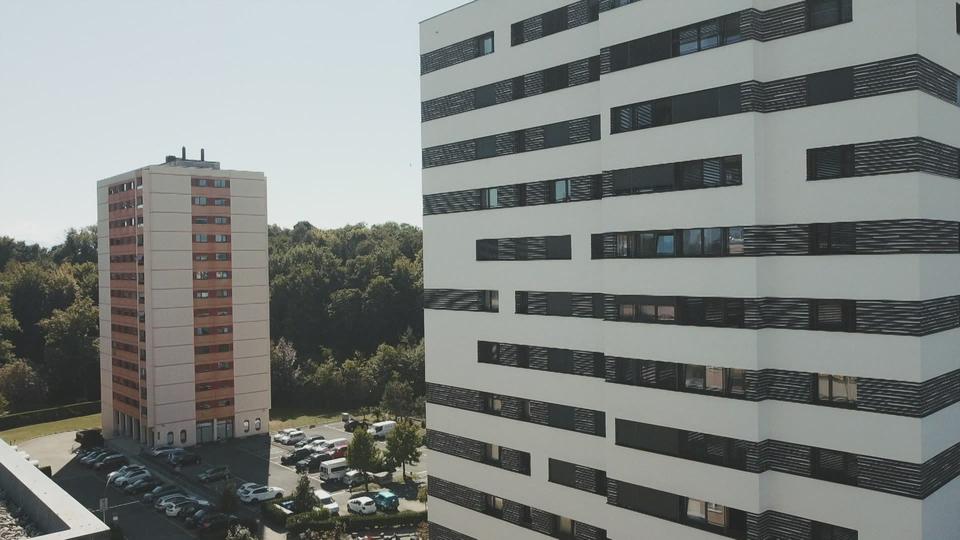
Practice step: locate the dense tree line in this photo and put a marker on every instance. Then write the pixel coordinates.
(345, 306)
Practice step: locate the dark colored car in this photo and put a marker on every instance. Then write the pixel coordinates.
(89, 458)
(295, 456)
(354, 424)
(111, 463)
(215, 524)
(89, 438)
(159, 491)
(184, 458)
(194, 519)
(190, 508)
(309, 440)
(140, 486)
(312, 463)
(214, 473)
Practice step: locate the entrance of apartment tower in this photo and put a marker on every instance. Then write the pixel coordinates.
(225, 428)
(205, 432)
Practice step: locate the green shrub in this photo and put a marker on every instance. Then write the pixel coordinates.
(316, 520)
(406, 518)
(273, 514)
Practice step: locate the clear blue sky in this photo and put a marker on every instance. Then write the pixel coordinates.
(321, 95)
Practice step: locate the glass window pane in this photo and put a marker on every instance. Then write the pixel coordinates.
(735, 240)
(692, 242)
(666, 313)
(710, 34)
(736, 382)
(851, 389)
(696, 510)
(665, 245)
(716, 515)
(694, 377)
(839, 388)
(648, 244)
(733, 170)
(712, 175)
(714, 379)
(624, 248)
(731, 28)
(648, 312)
(713, 241)
(628, 312)
(691, 174)
(823, 387)
(687, 40)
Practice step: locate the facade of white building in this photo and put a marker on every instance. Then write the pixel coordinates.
(690, 269)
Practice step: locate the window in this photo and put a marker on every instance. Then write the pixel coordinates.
(494, 505)
(491, 454)
(557, 134)
(554, 21)
(834, 466)
(522, 301)
(221, 220)
(256, 424)
(486, 147)
(830, 162)
(556, 78)
(560, 360)
(830, 86)
(485, 96)
(560, 191)
(558, 248)
(487, 250)
(201, 220)
(220, 183)
(183, 436)
(564, 528)
(490, 198)
(561, 472)
(221, 238)
(837, 389)
(824, 531)
(246, 426)
(826, 13)
(200, 201)
(561, 416)
(493, 404)
(559, 304)
(485, 44)
(516, 33)
(169, 437)
(489, 301)
(833, 238)
(836, 315)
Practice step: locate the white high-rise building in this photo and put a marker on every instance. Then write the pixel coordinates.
(184, 303)
(691, 269)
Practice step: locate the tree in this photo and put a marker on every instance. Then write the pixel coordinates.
(21, 387)
(363, 455)
(398, 398)
(285, 373)
(8, 327)
(304, 497)
(239, 532)
(228, 497)
(71, 357)
(403, 445)
(35, 290)
(80, 246)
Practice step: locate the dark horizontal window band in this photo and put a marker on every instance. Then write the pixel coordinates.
(507, 459)
(718, 519)
(456, 53)
(461, 300)
(439, 532)
(901, 478)
(564, 417)
(749, 24)
(512, 512)
(901, 74)
(580, 130)
(554, 21)
(531, 248)
(903, 236)
(577, 476)
(892, 317)
(883, 396)
(607, 5)
(582, 188)
(893, 156)
(532, 84)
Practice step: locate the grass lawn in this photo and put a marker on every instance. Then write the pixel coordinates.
(20, 434)
(295, 417)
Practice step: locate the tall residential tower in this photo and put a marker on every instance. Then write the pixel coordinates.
(184, 318)
(691, 269)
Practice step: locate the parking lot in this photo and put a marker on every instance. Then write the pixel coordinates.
(253, 459)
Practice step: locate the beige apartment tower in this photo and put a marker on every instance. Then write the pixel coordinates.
(184, 303)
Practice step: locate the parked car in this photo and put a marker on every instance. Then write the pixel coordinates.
(296, 455)
(249, 486)
(283, 433)
(362, 505)
(159, 491)
(89, 437)
(131, 476)
(141, 485)
(308, 441)
(89, 458)
(312, 462)
(162, 451)
(177, 509)
(386, 500)
(111, 463)
(193, 520)
(214, 473)
(122, 471)
(99, 459)
(263, 493)
(162, 502)
(216, 524)
(293, 437)
(380, 430)
(354, 477)
(327, 502)
(353, 424)
(184, 458)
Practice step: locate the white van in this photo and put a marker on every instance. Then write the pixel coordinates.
(333, 470)
(330, 445)
(380, 430)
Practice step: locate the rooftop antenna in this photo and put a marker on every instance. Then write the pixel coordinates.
(201, 155)
(183, 152)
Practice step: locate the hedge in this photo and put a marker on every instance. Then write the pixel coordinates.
(40, 416)
(310, 521)
(273, 514)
